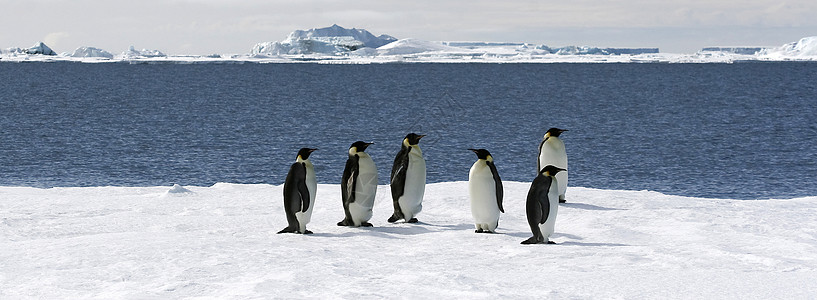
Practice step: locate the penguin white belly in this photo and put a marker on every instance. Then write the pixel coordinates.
(553, 200)
(312, 186)
(553, 153)
(411, 203)
(365, 190)
(482, 189)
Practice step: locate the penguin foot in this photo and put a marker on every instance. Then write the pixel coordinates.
(366, 224)
(479, 230)
(393, 218)
(307, 232)
(287, 230)
(343, 223)
(413, 220)
(551, 242)
(532, 240)
(562, 200)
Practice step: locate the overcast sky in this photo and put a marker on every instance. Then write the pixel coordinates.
(234, 26)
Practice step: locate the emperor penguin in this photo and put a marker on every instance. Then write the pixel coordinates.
(552, 152)
(485, 189)
(299, 193)
(408, 180)
(358, 186)
(542, 205)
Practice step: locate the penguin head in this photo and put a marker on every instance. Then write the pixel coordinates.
(412, 139)
(555, 132)
(359, 146)
(483, 154)
(551, 170)
(303, 154)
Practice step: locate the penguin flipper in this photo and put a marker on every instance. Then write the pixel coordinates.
(349, 182)
(544, 202)
(398, 173)
(347, 188)
(398, 181)
(538, 157)
(293, 202)
(498, 183)
(299, 173)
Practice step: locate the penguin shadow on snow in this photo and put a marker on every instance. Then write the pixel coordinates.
(586, 206)
(461, 226)
(574, 239)
(389, 232)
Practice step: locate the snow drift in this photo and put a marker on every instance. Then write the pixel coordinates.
(220, 242)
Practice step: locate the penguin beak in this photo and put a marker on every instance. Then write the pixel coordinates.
(312, 150)
(474, 150)
(420, 136)
(369, 144)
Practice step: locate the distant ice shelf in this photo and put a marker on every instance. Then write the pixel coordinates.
(338, 45)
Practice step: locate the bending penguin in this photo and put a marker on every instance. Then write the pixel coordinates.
(408, 180)
(299, 193)
(358, 186)
(542, 205)
(552, 152)
(485, 189)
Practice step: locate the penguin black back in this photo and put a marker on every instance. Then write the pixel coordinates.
(537, 206)
(400, 165)
(296, 193)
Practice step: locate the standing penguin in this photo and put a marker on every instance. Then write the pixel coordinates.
(542, 205)
(299, 193)
(552, 152)
(485, 189)
(358, 186)
(408, 180)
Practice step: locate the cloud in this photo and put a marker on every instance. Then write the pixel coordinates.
(53, 39)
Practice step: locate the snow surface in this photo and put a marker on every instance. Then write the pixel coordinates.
(220, 242)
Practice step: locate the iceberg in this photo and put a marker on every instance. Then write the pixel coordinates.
(333, 40)
(40, 48)
(414, 46)
(734, 50)
(133, 53)
(91, 52)
(805, 48)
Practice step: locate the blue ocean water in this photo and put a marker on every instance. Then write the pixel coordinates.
(745, 130)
